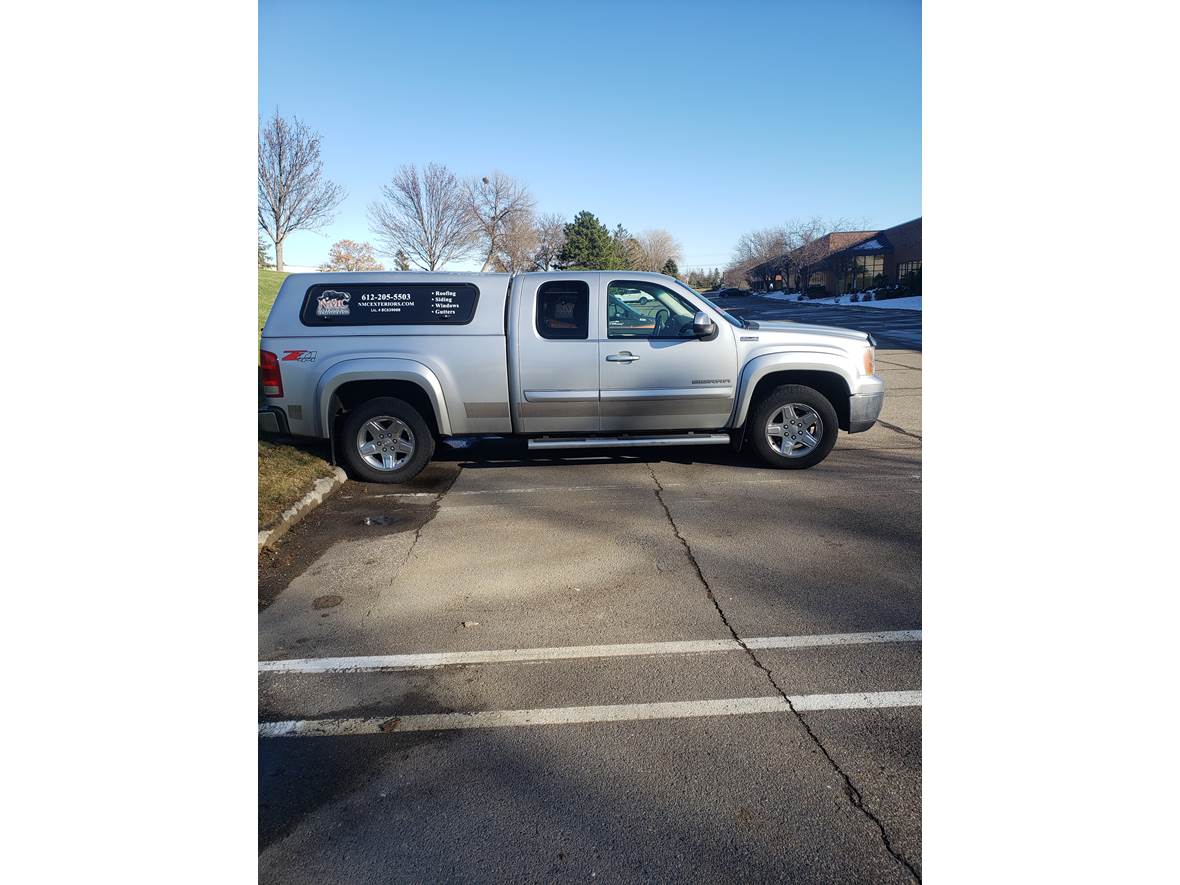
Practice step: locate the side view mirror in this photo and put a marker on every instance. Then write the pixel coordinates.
(703, 326)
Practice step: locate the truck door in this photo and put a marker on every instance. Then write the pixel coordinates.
(653, 373)
(556, 365)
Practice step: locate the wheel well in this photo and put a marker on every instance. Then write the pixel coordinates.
(353, 393)
(829, 384)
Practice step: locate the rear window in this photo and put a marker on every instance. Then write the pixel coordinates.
(563, 309)
(389, 304)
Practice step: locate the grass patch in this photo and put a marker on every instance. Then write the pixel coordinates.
(268, 289)
(286, 473)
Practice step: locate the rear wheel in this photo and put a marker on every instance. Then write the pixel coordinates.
(385, 440)
(793, 427)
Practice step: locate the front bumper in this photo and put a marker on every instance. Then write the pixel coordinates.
(863, 409)
(272, 419)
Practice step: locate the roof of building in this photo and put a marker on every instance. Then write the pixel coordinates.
(820, 248)
(837, 241)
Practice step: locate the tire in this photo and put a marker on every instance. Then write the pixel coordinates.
(793, 402)
(393, 434)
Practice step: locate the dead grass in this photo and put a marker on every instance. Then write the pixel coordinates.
(285, 474)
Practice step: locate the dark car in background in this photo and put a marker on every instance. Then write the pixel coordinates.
(727, 292)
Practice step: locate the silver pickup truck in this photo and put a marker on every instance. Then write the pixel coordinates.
(386, 364)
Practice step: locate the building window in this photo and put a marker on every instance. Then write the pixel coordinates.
(866, 272)
(908, 267)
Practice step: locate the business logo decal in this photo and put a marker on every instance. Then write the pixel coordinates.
(332, 304)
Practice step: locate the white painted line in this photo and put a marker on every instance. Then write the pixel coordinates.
(397, 495)
(376, 663)
(636, 487)
(579, 715)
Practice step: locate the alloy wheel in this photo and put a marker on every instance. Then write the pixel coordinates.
(794, 430)
(385, 443)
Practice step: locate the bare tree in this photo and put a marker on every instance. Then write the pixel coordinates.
(423, 215)
(292, 192)
(804, 249)
(805, 237)
(493, 202)
(349, 255)
(657, 247)
(754, 248)
(518, 243)
(550, 241)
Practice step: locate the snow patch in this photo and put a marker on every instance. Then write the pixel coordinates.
(913, 302)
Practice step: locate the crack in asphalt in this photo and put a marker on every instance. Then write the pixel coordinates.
(435, 506)
(900, 430)
(850, 790)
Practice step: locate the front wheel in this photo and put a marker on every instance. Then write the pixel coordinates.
(385, 440)
(793, 427)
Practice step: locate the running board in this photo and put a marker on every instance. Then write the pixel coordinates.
(618, 442)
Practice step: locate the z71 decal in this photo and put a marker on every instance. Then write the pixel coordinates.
(299, 356)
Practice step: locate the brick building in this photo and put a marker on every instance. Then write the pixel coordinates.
(845, 261)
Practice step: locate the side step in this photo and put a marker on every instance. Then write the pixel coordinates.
(618, 442)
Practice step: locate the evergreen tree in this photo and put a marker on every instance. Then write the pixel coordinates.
(588, 244)
(627, 254)
(403, 263)
(670, 269)
(264, 255)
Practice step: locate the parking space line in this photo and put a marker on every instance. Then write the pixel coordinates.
(580, 715)
(537, 490)
(378, 663)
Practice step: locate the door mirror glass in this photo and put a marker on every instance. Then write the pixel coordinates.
(703, 326)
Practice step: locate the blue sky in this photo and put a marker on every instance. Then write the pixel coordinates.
(707, 119)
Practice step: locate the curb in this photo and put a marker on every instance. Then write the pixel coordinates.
(322, 489)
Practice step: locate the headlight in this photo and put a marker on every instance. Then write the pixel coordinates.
(870, 354)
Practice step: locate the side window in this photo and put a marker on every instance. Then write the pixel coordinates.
(646, 310)
(563, 309)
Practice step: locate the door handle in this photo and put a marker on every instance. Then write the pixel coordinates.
(624, 357)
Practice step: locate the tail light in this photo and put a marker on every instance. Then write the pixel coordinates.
(272, 378)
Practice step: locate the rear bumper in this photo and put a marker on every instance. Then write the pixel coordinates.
(272, 419)
(863, 409)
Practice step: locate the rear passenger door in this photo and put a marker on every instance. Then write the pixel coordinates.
(557, 354)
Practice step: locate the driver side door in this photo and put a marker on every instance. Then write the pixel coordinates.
(653, 373)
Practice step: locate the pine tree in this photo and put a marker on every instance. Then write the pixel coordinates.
(627, 255)
(403, 263)
(670, 269)
(264, 261)
(587, 244)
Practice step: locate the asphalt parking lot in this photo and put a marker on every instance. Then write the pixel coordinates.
(892, 328)
(655, 665)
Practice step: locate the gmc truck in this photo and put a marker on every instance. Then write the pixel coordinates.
(387, 364)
